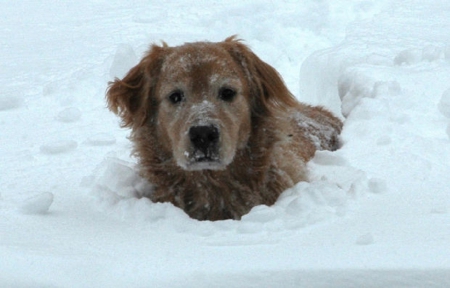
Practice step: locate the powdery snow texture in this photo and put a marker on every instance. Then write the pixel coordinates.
(38, 204)
(375, 213)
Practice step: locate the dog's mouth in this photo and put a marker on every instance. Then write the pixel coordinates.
(205, 165)
(204, 160)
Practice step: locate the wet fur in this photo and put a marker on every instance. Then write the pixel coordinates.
(268, 136)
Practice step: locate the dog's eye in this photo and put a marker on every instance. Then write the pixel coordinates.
(176, 96)
(227, 94)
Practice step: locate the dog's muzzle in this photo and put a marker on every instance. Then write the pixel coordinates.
(204, 140)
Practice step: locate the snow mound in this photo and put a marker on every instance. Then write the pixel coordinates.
(365, 239)
(447, 52)
(68, 115)
(38, 204)
(124, 59)
(408, 57)
(101, 139)
(444, 104)
(431, 53)
(448, 130)
(119, 178)
(59, 147)
(10, 102)
(377, 185)
(120, 191)
(308, 203)
(354, 85)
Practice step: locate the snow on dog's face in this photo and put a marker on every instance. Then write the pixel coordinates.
(203, 107)
(195, 96)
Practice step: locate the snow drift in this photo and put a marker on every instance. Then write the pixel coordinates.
(376, 212)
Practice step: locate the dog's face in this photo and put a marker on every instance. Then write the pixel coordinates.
(200, 98)
(203, 106)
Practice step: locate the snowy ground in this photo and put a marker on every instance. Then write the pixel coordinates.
(376, 214)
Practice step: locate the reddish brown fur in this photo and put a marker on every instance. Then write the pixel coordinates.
(266, 136)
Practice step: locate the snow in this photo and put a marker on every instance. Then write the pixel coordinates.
(9, 102)
(444, 103)
(57, 147)
(375, 214)
(38, 204)
(70, 114)
(124, 58)
(101, 139)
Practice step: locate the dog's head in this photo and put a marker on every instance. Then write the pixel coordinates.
(202, 99)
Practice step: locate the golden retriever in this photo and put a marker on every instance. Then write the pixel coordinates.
(215, 129)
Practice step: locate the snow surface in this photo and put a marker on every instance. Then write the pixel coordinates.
(376, 213)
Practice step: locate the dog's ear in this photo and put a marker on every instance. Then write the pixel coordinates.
(129, 98)
(266, 86)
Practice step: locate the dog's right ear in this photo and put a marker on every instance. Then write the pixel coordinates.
(267, 88)
(130, 96)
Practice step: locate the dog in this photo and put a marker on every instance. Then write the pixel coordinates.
(215, 129)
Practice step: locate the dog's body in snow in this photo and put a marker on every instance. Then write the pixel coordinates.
(215, 129)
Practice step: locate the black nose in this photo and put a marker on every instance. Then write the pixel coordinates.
(204, 138)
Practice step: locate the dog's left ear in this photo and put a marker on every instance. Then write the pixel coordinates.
(130, 97)
(266, 86)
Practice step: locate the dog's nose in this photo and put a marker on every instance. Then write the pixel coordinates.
(204, 137)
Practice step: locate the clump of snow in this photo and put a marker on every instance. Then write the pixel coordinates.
(67, 115)
(447, 52)
(365, 239)
(377, 185)
(119, 179)
(39, 204)
(412, 56)
(59, 147)
(261, 214)
(119, 190)
(328, 158)
(441, 209)
(309, 203)
(384, 140)
(101, 139)
(431, 53)
(408, 57)
(124, 59)
(10, 102)
(448, 130)
(354, 85)
(444, 104)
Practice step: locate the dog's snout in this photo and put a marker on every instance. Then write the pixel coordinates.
(204, 137)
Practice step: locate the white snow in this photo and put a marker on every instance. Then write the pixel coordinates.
(10, 102)
(365, 239)
(38, 204)
(68, 115)
(101, 139)
(444, 103)
(448, 130)
(375, 214)
(59, 147)
(124, 58)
